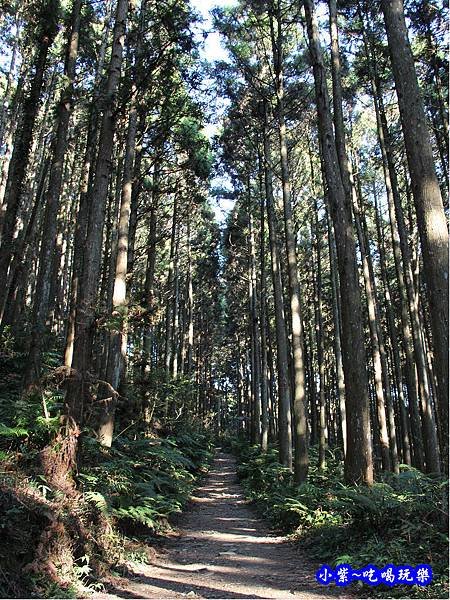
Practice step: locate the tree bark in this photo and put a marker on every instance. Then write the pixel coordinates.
(427, 196)
(284, 395)
(22, 144)
(149, 291)
(85, 314)
(254, 330)
(378, 375)
(408, 294)
(393, 201)
(87, 179)
(393, 334)
(358, 461)
(337, 332)
(317, 268)
(299, 399)
(5, 104)
(262, 316)
(44, 278)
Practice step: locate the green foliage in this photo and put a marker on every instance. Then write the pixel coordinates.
(128, 492)
(12, 432)
(23, 421)
(196, 146)
(50, 589)
(26, 424)
(399, 520)
(42, 20)
(143, 481)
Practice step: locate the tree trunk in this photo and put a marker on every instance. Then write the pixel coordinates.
(317, 268)
(44, 278)
(394, 200)
(169, 287)
(338, 116)
(337, 332)
(149, 291)
(299, 400)
(284, 396)
(22, 144)
(175, 307)
(408, 294)
(190, 309)
(6, 100)
(378, 375)
(87, 178)
(118, 335)
(427, 196)
(254, 330)
(85, 314)
(393, 334)
(20, 265)
(262, 316)
(358, 461)
(9, 136)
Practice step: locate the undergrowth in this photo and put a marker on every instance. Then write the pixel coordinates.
(55, 545)
(143, 481)
(398, 520)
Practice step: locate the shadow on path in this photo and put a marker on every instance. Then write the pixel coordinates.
(223, 551)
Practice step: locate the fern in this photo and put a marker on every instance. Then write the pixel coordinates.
(397, 520)
(98, 500)
(145, 480)
(12, 432)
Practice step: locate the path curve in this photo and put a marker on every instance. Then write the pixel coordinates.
(223, 551)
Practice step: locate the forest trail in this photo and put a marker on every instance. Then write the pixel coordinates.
(223, 551)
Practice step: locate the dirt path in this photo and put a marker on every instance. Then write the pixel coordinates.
(223, 551)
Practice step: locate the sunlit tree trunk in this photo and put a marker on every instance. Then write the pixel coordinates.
(427, 199)
(85, 314)
(86, 182)
(402, 256)
(299, 399)
(358, 460)
(284, 396)
(393, 200)
(118, 335)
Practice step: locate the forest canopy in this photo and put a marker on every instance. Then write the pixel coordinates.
(306, 325)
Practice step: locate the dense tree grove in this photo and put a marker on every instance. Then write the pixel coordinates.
(113, 246)
(314, 316)
(353, 324)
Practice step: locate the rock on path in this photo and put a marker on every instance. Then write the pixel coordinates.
(223, 551)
